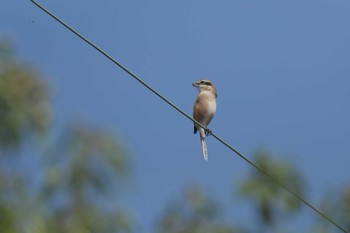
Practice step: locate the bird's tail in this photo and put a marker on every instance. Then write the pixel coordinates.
(204, 144)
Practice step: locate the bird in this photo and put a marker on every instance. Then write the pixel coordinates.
(204, 109)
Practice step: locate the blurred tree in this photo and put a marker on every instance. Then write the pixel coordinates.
(75, 185)
(270, 200)
(24, 100)
(193, 213)
(24, 111)
(82, 182)
(335, 204)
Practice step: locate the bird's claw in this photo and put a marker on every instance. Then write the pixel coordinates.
(208, 132)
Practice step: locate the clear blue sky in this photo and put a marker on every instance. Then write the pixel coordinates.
(282, 70)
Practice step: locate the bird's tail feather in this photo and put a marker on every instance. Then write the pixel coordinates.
(204, 144)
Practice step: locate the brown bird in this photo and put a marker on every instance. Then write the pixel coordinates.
(204, 109)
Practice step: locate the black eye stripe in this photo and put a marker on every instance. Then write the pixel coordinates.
(205, 82)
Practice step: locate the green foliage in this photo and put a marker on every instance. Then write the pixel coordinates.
(337, 205)
(24, 100)
(85, 170)
(75, 186)
(193, 213)
(24, 111)
(86, 158)
(6, 219)
(271, 200)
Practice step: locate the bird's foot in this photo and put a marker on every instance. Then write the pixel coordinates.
(208, 132)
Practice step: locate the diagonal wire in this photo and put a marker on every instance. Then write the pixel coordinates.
(272, 178)
(116, 62)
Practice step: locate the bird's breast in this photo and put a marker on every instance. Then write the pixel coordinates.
(211, 107)
(206, 106)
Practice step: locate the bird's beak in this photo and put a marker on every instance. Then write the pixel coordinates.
(195, 84)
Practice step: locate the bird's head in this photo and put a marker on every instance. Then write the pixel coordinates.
(205, 85)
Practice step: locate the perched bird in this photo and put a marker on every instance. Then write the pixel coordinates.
(204, 109)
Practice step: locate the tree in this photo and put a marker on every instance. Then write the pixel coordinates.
(270, 200)
(336, 204)
(76, 183)
(83, 178)
(194, 212)
(24, 112)
(24, 100)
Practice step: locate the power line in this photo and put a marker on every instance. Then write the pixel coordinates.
(300, 198)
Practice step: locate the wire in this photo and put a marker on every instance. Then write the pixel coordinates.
(300, 198)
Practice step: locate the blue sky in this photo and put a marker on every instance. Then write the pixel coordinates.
(282, 70)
